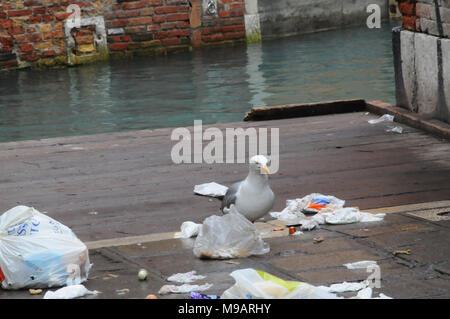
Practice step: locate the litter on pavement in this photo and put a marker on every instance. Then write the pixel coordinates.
(313, 203)
(188, 229)
(187, 277)
(384, 118)
(327, 209)
(345, 287)
(36, 251)
(212, 189)
(395, 129)
(69, 292)
(363, 264)
(255, 284)
(196, 295)
(229, 236)
(183, 289)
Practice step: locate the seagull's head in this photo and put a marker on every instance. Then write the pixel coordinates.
(259, 164)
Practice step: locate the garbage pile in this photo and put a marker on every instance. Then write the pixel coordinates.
(255, 284)
(326, 209)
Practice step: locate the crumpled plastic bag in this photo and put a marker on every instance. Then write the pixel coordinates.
(186, 277)
(255, 284)
(69, 292)
(36, 251)
(349, 215)
(229, 236)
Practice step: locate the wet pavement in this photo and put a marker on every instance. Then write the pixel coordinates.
(425, 273)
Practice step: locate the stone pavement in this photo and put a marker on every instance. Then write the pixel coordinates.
(136, 192)
(425, 273)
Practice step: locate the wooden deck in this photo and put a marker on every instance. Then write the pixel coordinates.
(130, 181)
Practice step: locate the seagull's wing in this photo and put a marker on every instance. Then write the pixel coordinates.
(230, 196)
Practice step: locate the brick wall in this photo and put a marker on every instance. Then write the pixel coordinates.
(32, 33)
(427, 16)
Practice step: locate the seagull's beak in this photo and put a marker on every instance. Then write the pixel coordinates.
(265, 169)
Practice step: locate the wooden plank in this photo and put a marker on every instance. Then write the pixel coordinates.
(305, 110)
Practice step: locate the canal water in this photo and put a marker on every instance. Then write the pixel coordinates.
(214, 85)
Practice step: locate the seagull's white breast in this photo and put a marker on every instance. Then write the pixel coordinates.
(254, 202)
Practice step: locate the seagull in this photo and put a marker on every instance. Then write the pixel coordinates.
(251, 197)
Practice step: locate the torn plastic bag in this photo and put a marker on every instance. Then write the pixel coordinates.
(350, 215)
(255, 284)
(36, 251)
(229, 236)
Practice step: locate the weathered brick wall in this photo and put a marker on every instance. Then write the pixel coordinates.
(32, 33)
(427, 16)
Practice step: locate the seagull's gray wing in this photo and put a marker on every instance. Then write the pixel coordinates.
(230, 196)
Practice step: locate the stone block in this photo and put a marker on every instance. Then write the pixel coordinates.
(426, 64)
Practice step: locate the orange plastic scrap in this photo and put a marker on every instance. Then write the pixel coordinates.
(319, 204)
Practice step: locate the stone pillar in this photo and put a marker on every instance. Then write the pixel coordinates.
(422, 59)
(252, 21)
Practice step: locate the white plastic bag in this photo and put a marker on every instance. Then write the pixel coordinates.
(254, 284)
(349, 215)
(69, 292)
(36, 251)
(229, 236)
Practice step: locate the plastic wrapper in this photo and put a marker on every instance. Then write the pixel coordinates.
(229, 236)
(210, 189)
(255, 284)
(196, 295)
(70, 292)
(36, 251)
(187, 277)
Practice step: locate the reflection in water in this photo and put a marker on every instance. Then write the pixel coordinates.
(213, 85)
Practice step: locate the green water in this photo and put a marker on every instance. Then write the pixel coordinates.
(213, 85)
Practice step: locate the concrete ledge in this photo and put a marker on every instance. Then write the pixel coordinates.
(404, 116)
